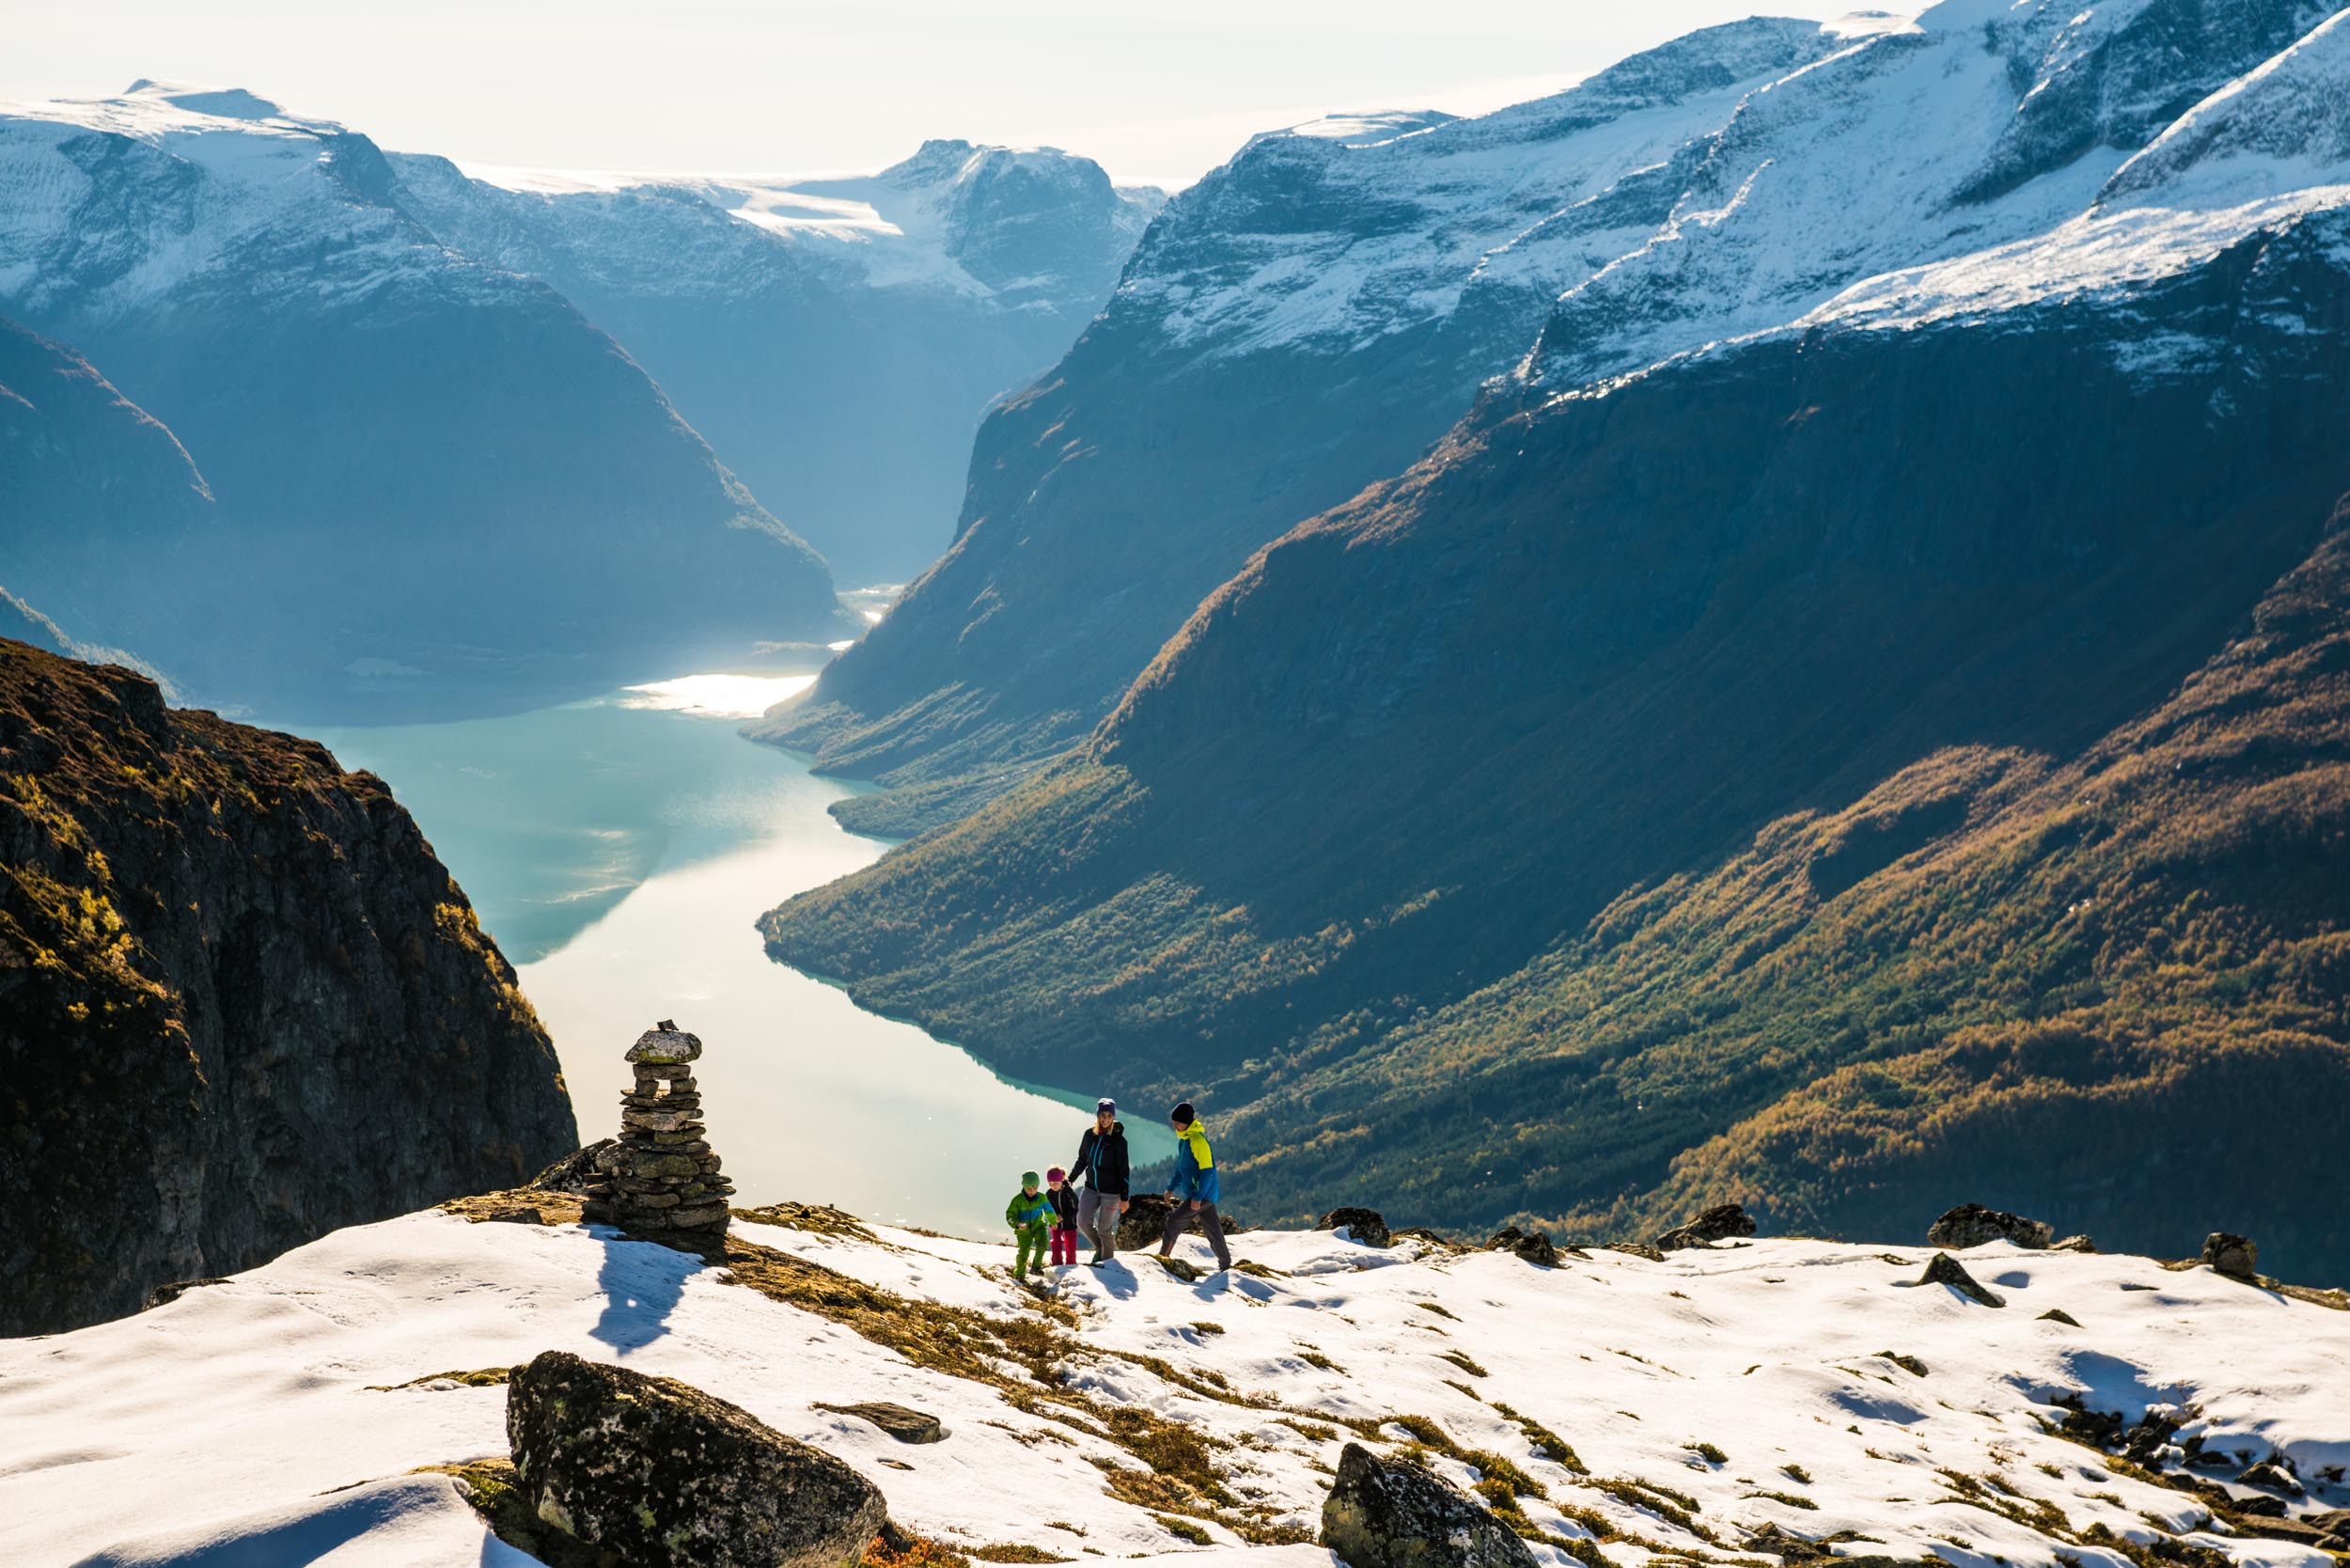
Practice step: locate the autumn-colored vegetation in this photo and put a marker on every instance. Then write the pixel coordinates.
(1661, 797)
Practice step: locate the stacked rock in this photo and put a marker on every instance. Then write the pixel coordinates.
(661, 1175)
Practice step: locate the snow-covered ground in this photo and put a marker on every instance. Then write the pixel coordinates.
(276, 1418)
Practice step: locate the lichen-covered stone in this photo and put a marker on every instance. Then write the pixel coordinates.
(1972, 1225)
(1386, 1513)
(664, 1476)
(665, 1047)
(902, 1423)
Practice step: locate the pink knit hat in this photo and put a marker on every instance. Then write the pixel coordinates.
(1056, 1174)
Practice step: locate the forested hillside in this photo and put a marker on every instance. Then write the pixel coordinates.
(1903, 742)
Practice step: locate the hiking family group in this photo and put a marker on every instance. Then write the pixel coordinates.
(1054, 1214)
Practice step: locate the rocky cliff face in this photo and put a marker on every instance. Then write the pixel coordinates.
(241, 1002)
(1947, 625)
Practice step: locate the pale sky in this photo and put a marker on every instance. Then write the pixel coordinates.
(1155, 90)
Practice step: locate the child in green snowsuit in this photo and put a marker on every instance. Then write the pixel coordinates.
(1027, 1214)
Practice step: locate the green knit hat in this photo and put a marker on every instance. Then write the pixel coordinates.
(1027, 1178)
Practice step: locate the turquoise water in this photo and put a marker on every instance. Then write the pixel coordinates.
(621, 851)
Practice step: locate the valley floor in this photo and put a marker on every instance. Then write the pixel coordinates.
(1635, 1408)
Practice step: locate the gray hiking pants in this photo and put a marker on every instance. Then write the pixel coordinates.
(1097, 1219)
(1181, 1216)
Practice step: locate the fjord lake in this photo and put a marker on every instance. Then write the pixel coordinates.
(620, 849)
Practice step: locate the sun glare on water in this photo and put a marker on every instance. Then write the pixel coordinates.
(717, 696)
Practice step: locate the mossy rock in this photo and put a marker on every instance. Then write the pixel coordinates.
(1387, 1513)
(664, 1476)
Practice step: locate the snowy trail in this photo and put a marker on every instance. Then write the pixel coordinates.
(249, 1422)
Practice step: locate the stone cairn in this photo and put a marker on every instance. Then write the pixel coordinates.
(661, 1175)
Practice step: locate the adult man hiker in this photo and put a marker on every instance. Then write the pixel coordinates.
(1101, 1162)
(1194, 1186)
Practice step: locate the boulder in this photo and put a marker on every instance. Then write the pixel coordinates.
(1144, 1218)
(905, 1424)
(2237, 1257)
(2075, 1244)
(1718, 1223)
(1386, 1513)
(582, 1169)
(1946, 1270)
(1972, 1225)
(1367, 1226)
(667, 1045)
(2272, 1476)
(1532, 1245)
(660, 1475)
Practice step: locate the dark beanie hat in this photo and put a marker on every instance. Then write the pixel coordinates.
(1183, 1113)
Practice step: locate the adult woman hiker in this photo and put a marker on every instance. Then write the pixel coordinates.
(1101, 1162)
(1193, 1188)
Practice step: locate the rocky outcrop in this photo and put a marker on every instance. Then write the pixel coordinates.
(1943, 1269)
(1719, 1223)
(1532, 1245)
(2232, 1255)
(660, 1475)
(242, 1004)
(1367, 1226)
(1388, 1513)
(1143, 1220)
(1972, 1225)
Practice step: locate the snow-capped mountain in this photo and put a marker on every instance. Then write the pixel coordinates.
(436, 484)
(1983, 122)
(1734, 763)
(837, 339)
(1303, 320)
(1779, 1399)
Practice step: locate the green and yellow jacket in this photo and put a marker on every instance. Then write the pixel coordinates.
(1194, 1166)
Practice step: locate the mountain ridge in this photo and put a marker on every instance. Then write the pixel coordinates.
(1609, 638)
(802, 325)
(387, 428)
(1301, 321)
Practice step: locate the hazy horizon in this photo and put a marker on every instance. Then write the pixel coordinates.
(1155, 94)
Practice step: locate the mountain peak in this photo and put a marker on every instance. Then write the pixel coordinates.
(200, 99)
(1368, 130)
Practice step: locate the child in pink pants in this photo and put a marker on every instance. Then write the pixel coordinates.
(1064, 1201)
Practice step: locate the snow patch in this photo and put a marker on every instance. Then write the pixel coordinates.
(267, 1408)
